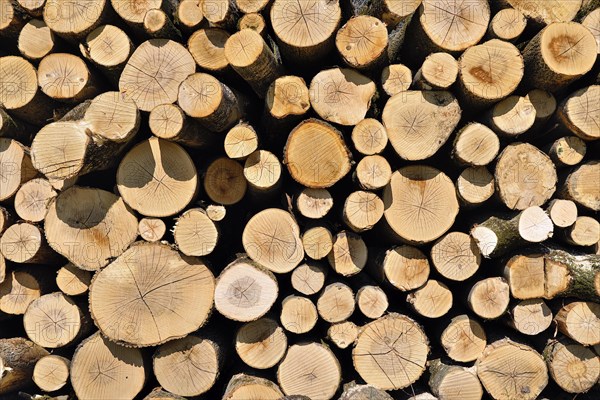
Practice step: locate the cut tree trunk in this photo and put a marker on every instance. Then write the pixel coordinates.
(221, 13)
(456, 256)
(543, 12)
(373, 173)
(309, 369)
(336, 302)
(563, 213)
(188, 366)
(189, 17)
(362, 42)
(51, 373)
(573, 367)
(142, 293)
(507, 24)
(36, 40)
(25, 243)
(298, 314)
(433, 300)
(308, 278)
(511, 117)
(286, 101)
(402, 343)
(314, 203)
(343, 334)
(262, 170)
(261, 344)
(451, 381)
(152, 229)
(224, 181)
(463, 339)
(352, 391)
(438, 72)
(369, 137)
(592, 21)
(17, 290)
(510, 370)
(580, 185)
(74, 23)
(567, 151)
(33, 198)
(15, 167)
(160, 394)
(489, 297)
(96, 359)
(317, 242)
(545, 106)
(157, 24)
(395, 78)
(404, 267)
(254, 21)
(558, 55)
(371, 301)
(207, 46)
(241, 141)
(66, 78)
(530, 317)
(584, 232)
(73, 281)
(249, 387)
(195, 234)
(18, 357)
(580, 320)
(349, 254)
(575, 113)
(475, 145)
(362, 210)
(245, 291)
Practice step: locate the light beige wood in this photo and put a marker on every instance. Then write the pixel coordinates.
(245, 291)
(224, 181)
(576, 113)
(298, 314)
(579, 186)
(395, 78)
(317, 242)
(152, 229)
(195, 234)
(308, 278)
(101, 369)
(25, 243)
(321, 166)
(545, 106)
(507, 24)
(106, 232)
(32, 7)
(373, 172)
(404, 267)
(216, 212)
(362, 210)
(287, 98)
(262, 170)
(189, 16)
(74, 23)
(18, 357)
(157, 24)
(530, 317)
(438, 72)
(33, 198)
(309, 369)
(109, 48)
(456, 256)
(343, 334)
(584, 232)
(221, 13)
(433, 300)
(154, 73)
(36, 40)
(349, 254)
(562, 212)
(580, 321)
(450, 381)
(372, 301)
(241, 141)
(463, 339)
(394, 339)
(475, 145)
(512, 116)
(489, 297)
(207, 46)
(261, 344)
(133, 12)
(475, 185)
(15, 167)
(17, 291)
(73, 281)
(362, 42)
(547, 12)
(251, 6)
(369, 137)
(567, 151)
(143, 294)
(418, 123)
(314, 203)
(573, 367)
(336, 302)
(51, 373)
(65, 77)
(248, 387)
(511, 370)
(254, 21)
(592, 21)
(188, 366)
(417, 188)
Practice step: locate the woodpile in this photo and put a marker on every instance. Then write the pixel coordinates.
(299, 199)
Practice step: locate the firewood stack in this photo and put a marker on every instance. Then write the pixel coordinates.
(299, 199)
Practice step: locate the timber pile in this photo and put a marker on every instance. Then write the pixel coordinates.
(299, 199)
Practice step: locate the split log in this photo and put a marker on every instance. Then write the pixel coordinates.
(349, 254)
(272, 239)
(262, 170)
(241, 141)
(250, 56)
(580, 185)
(143, 295)
(33, 198)
(497, 236)
(207, 46)
(317, 242)
(558, 55)
(404, 267)
(89, 227)
(433, 300)
(507, 24)
(224, 181)
(245, 291)
(151, 229)
(418, 123)
(17, 291)
(584, 232)
(314, 203)
(254, 21)
(511, 117)
(73, 281)
(287, 100)
(18, 357)
(456, 256)
(221, 13)
(341, 95)
(54, 320)
(100, 131)
(21, 96)
(308, 278)
(154, 72)
(51, 373)
(157, 178)
(395, 78)
(210, 102)
(188, 16)
(248, 387)
(74, 23)
(36, 40)
(525, 176)
(195, 234)
(336, 302)
(530, 317)
(323, 165)
(563, 213)
(108, 47)
(373, 173)
(575, 113)
(362, 210)
(451, 381)
(343, 334)
(438, 72)
(489, 72)
(298, 314)
(371, 301)
(544, 13)
(463, 339)
(188, 366)
(101, 369)
(157, 24)
(567, 151)
(412, 190)
(573, 367)
(391, 340)
(580, 321)
(25, 243)
(15, 167)
(261, 344)
(362, 42)
(305, 40)
(475, 145)
(352, 391)
(66, 78)
(489, 297)
(309, 369)
(511, 370)
(369, 137)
